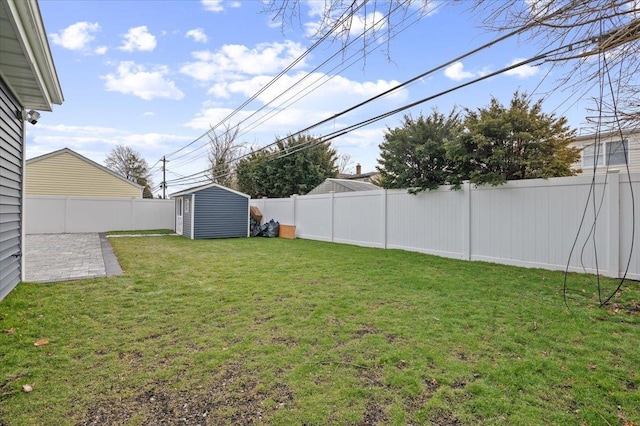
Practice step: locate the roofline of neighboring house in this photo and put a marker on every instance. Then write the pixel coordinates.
(85, 159)
(346, 180)
(209, 185)
(591, 137)
(361, 175)
(27, 22)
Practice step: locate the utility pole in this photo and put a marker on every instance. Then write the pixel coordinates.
(164, 178)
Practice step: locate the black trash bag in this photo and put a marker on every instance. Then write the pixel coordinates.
(256, 229)
(263, 229)
(273, 228)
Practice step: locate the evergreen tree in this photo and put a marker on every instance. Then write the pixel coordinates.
(520, 142)
(295, 165)
(414, 155)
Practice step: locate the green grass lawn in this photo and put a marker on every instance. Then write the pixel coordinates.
(274, 331)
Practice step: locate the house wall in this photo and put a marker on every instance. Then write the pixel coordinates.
(533, 223)
(54, 214)
(66, 174)
(220, 214)
(11, 168)
(633, 153)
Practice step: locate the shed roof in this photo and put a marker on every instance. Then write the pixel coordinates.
(83, 158)
(202, 187)
(342, 185)
(25, 57)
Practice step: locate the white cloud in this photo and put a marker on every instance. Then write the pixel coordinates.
(456, 72)
(522, 71)
(232, 61)
(94, 141)
(76, 36)
(197, 34)
(148, 114)
(101, 50)
(235, 4)
(90, 130)
(338, 94)
(212, 5)
(136, 80)
(138, 38)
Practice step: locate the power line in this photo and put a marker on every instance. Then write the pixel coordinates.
(278, 111)
(330, 136)
(338, 24)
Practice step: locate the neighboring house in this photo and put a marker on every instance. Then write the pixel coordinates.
(370, 177)
(342, 185)
(212, 211)
(28, 81)
(65, 172)
(610, 152)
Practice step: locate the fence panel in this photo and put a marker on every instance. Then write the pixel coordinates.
(531, 223)
(45, 214)
(314, 217)
(359, 218)
(534, 223)
(630, 226)
(66, 214)
(429, 222)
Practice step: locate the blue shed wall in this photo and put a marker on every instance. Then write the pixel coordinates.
(220, 214)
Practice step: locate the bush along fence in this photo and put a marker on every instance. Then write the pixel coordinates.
(585, 222)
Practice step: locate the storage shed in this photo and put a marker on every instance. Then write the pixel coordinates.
(212, 211)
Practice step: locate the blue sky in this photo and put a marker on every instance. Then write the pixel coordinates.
(155, 75)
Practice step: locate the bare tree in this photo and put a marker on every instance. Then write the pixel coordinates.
(129, 164)
(223, 152)
(365, 22)
(603, 38)
(343, 163)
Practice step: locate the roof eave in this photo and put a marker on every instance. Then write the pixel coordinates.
(28, 23)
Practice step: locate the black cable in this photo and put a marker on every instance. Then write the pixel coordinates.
(544, 56)
(283, 72)
(272, 113)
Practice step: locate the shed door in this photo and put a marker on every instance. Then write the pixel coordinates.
(179, 216)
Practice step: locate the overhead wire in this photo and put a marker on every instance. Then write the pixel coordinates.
(337, 25)
(297, 96)
(332, 135)
(405, 83)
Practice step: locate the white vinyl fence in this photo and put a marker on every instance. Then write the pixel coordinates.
(46, 214)
(531, 223)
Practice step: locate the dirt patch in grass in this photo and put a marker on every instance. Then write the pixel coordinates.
(233, 397)
(374, 415)
(444, 418)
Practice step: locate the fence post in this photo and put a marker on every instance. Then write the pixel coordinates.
(613, 231)
(131, 217)
(332, 212)
(294, 197)
(466, 220)
(66, 214)
(384, 219)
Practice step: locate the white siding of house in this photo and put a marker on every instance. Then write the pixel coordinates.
(633, 139)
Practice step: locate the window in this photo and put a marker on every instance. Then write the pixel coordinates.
(616, 153)
(186, 205)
